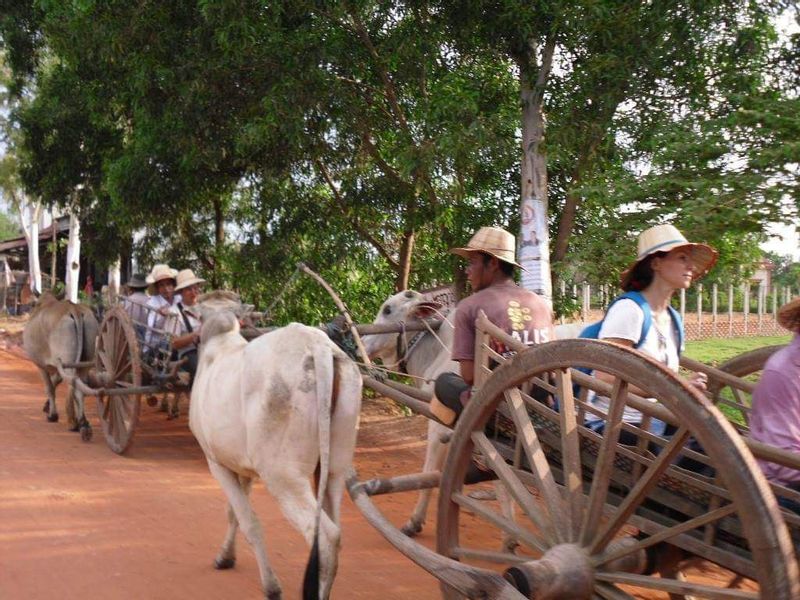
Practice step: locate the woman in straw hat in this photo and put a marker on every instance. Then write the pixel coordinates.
(775, 418)
(665, 263)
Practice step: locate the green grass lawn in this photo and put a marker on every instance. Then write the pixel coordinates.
(716, 351)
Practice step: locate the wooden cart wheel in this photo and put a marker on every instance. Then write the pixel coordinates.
(118, 366)
(747, 366)
(583, 532)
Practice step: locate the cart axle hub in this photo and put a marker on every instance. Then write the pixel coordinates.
(564, 572)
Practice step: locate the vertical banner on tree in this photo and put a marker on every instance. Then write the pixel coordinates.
(534, 248)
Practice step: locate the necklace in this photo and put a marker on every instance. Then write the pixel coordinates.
(660, 324)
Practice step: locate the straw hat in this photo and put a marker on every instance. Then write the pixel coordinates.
(493, 241)
(664, 238)
(185, 278)
(137, 282)
(159, 273)
(789, 315)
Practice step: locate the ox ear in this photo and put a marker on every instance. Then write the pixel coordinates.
(424, 310)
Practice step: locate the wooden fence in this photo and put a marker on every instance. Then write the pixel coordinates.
(708, 311)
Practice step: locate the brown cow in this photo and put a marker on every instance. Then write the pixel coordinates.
(60, 330)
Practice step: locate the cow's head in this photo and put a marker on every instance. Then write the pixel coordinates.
(402, 307)
(220, 312)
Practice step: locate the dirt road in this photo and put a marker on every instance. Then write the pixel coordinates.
(78, 522)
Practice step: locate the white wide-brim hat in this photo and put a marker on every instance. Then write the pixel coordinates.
(665, 238)
(185, 278)
(493, 241)
(789, 315)
(160, 273)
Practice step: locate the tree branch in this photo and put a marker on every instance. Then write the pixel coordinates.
(342, 205)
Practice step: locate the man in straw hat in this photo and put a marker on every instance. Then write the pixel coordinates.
(519, 312)
(136, 301)
(775, 418)
(187, 328)
(161, 282)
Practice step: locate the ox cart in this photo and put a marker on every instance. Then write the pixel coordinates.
(599, 518)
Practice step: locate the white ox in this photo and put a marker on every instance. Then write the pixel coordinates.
(278, 408)
(61, 331)
(424, 359)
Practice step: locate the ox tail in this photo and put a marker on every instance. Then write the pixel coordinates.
(77, 322)
(324, 371)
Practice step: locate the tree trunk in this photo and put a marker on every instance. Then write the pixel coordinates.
(29, 217)
(73, 259)
(219, 240)
(534, 245)
(53, 258)
(404, 262)
(113, 281)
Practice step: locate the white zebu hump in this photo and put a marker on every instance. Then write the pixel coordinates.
(222, 300)
(217, 323)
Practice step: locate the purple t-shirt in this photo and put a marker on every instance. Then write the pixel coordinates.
(517, 311)
(775, 418)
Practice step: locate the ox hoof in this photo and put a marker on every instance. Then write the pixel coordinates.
(74, 427)
(273, 595)
(53, 418)
(173, 414)
(86, 433)
(224, 563)
(411, 528)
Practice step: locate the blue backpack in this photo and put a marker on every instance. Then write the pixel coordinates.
(593, 331)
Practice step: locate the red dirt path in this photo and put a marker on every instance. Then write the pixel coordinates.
(77, 521)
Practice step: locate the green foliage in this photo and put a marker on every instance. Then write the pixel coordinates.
(367, 138)
(8, 227)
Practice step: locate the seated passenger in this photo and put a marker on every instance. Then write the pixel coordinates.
(775, 417)
(665, 262)
(187, 331)
(519, 312)
(161, 281)
(135, 302)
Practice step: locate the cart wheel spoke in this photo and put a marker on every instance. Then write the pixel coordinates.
(666, 534)
(641, 489)
(515, 487)
(553, 500)
(570, 448)
(674, 586)
(605, 461)
(522, 535)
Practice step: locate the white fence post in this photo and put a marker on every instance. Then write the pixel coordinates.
(774, 308)
(714, 310)
(586, 302)
(746, 306)
(730, 310)
(683, 305)
(700, 310)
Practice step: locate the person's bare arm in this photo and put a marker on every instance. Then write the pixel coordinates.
(188, 339)
(696, 380)
(467, 370)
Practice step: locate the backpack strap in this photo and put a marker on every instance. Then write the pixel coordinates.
(641, 302)
(678, 322)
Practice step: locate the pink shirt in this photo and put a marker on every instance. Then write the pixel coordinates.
(519, 312)
(775, 418)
